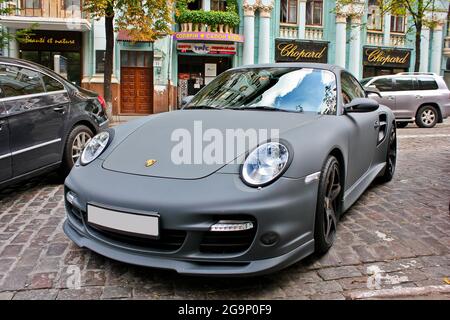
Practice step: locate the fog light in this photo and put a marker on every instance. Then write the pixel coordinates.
(70, 197)
(269, 238)
(231, 225)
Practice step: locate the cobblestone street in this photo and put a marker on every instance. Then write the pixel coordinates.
(396, 235)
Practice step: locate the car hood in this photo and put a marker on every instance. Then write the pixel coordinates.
(160, 140)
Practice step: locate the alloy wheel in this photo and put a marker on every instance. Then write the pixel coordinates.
(78, 144)
(392, 152)
(331, 203)
(428, 117)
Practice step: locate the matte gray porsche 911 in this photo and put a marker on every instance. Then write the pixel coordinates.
(262, 209)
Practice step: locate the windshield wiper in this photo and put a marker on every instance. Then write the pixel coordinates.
(265, 108)
(202, 107)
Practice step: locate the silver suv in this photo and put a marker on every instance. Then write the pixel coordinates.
(420, 97)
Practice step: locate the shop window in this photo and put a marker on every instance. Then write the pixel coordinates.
(314, 13)
(31, 4)
(218, 5)
(288, 13)
(100, 61)
(398, 24)
(374, 17)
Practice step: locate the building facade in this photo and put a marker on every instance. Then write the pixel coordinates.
(152, 77)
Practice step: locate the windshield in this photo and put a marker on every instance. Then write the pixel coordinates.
(283, 89)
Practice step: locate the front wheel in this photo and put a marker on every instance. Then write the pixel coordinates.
(76, 141)
(391, 157)
(329, 205)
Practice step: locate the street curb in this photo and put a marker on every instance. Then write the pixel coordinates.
(400, 292)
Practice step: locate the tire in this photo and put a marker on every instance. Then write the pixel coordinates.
(402, 124)
(75, 142)
(391, 157)
(329, 205)
(427, 117)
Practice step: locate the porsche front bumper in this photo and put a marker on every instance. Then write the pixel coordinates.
(187, 209)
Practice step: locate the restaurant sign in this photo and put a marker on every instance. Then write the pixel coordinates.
(208, 36)
(206, 48)
(386, 57)
(301, 51)
(51, 41)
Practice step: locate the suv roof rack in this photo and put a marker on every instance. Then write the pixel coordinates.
(418, 73)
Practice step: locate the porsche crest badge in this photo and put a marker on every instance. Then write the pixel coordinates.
(150, 162)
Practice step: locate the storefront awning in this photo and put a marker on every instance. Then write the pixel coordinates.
(46, 23)
(124, 35)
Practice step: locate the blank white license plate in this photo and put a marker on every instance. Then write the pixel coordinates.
(124, 222)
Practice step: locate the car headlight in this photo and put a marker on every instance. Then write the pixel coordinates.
(264, 164)
(94, 147)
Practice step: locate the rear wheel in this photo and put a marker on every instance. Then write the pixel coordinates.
(76, 141)
(329, 205)
(402, 124)
(427, 117)
(391, 157)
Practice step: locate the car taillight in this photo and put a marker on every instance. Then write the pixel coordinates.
(102, 102)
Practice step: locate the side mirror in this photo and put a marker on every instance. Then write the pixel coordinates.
(372, 90)
(185, 101)
(361, 105)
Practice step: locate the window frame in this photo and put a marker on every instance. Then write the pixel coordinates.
(288, 2)
(224, 2)
(372, 27)
(414, 83)
(395, 17)
(312, 13)
(341, 87)
(23, 5)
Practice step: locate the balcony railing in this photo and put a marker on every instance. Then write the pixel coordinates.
(398, 40)
(291, 32)
(47, 8)
(375, 38)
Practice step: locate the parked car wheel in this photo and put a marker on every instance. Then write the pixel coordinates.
(76, 141)
(402, 124)
(391, 158)
(329, 205)
(427, 117)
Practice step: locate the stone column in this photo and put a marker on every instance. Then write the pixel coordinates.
(265, 11)
(13, 45)
(436, 49)
(424, 49)
(249, 32)
(341, 40)
(301, 19)
(387, 29)
(355, 46)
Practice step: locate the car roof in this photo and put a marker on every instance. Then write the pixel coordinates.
(403, 75)
(324, 66)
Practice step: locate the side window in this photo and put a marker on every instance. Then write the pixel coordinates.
(351, 88)
(52, 84)
(17, 81)
(383, 84)
(404, 84)
(427, 83)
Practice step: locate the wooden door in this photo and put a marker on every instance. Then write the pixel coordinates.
(136, 85)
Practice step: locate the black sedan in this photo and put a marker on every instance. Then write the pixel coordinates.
(45, 121)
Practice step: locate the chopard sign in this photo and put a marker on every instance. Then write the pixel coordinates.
(386, 57)
(300, 51)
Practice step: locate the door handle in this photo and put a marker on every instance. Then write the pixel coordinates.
(390, 98)
(59, 109)
(376, 124)
(418, 97)
(2, 122)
